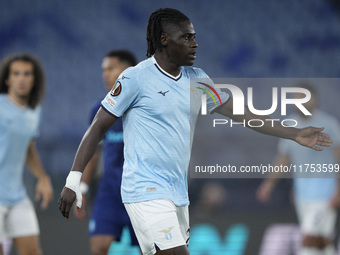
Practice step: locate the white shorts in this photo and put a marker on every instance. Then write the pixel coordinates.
(18, 220)
(316, 218)
(159, 224)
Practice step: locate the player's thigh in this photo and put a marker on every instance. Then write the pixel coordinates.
(156, 225)
(22, 220)
(100, 244)
(27, 245)
(181, 250)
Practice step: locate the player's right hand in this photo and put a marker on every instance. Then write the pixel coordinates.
(65, 202)
(80, 213)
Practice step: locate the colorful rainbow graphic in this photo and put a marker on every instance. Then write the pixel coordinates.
(209, 93)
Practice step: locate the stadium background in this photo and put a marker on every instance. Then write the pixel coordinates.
(236, 39)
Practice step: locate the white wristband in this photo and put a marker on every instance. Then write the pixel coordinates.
(84, 188)
(73, 183)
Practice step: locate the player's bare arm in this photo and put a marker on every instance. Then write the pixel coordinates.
(86, 179)
(311, 137)
(44, 188)
(101, 123)
(266, 188)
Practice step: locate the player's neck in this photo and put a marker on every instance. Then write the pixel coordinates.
(166, 64)
(19, 101)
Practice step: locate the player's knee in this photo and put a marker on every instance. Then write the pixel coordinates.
(315, 242)
(100, 249)
(100, 244)
(181, 250)
(32, 251)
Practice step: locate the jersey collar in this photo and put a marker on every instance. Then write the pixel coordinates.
(175, 78)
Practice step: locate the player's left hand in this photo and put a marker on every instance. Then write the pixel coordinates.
(313, 138)
(44, 191)
(65, 202)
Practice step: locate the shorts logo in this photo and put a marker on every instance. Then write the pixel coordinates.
(167, 233)
(116, 89)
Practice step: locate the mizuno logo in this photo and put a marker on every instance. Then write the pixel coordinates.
(124, 77)
(163, 93)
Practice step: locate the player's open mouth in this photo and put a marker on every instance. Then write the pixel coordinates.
(192, 55)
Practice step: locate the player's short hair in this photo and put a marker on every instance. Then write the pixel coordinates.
(156, 24)
(38, 90)
(124, 56)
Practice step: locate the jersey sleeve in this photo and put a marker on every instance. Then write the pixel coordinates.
(219, 98)
(215, 97)
(123, 95)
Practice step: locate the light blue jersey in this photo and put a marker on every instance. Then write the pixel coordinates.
(156, 120)
(312, 189)
(18, 126)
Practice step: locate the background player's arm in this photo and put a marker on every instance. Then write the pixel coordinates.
(310, 136)
(88, 146)
(265, 190)
(335, 202)
(44, 188)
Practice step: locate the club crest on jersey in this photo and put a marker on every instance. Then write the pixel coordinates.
(116, 89)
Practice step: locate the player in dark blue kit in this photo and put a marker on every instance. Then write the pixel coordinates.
(109, 216)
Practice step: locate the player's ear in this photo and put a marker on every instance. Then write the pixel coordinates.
(164, 39)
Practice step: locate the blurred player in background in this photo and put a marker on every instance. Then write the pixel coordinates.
(316, 199)
(22, 86)
(109, 216)
(154, 100)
